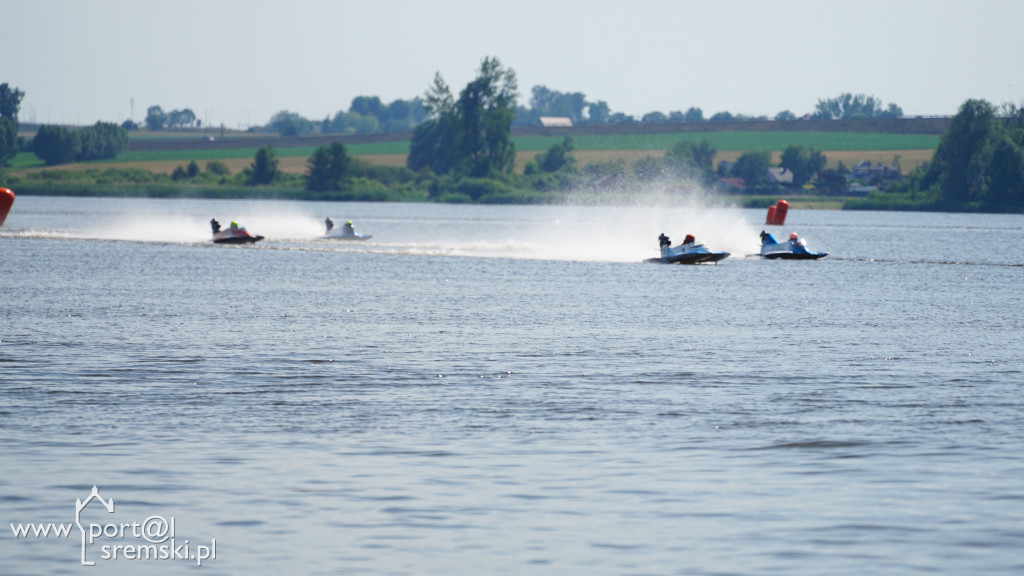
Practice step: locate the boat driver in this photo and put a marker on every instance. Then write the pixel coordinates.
(348, 228)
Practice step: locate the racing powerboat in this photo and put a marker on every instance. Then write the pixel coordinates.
(347, 232)
(341, 235)
(793, 249)
(689, 252)
(234, 234)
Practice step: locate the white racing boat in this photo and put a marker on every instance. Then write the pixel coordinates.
(347, 232)
(689, 252)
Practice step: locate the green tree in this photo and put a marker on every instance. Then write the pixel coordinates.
(288, 123)
(328, 168)
(60, 145)
(486, 107)
(687, 159)
(785, 116)
(654, 117)
(156, 119)
(470, 136)
(353, 123)
(833, 181)
(804, 164)
(965, 152)
(56, 144)
(397, 116)
(694, 115)
(434, 141)
(1006, 176)
(8, 141)
(181, 118)
(102, 140)
(648, 168)
(847, 105)
(264, 166)
(192, 170)
(752, 167)
(367, 105)
(10, 102)
(217, 167)
(598, 112)
(558, 157)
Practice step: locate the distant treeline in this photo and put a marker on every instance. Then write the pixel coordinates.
(369, 115)
(978, 166)
(61, 145)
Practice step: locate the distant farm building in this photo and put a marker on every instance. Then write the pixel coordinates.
(780, 176)
(868, 172)
(555, 121)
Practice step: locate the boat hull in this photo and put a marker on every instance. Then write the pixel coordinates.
(239, 240)
(348, 237)
(697, 256)
(795, 256)
(236, 236)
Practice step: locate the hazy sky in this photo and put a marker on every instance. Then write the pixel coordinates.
(239, 62)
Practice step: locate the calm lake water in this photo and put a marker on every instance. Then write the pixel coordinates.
(510, 390)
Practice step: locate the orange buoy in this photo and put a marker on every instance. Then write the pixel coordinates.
(770, 219)
(6, 200)
(780, 212)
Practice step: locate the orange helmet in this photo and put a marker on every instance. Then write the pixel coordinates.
(793, 236)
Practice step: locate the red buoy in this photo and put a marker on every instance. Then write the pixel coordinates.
(770, 219)
(780, 212)
(6, 200)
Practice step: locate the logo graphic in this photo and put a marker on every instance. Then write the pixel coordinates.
(79, 506)
(156, 532)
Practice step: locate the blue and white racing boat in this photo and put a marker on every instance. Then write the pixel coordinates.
(793, 249)
(689, 252)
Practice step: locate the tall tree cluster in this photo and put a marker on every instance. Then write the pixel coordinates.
(368, 114)
(10, 102)
(264, 167)
(687, 159)
(60, 144)
(804, 164)
(980, 159)
(470, 136)
(328, 168)
(847, 105)
(157, 119)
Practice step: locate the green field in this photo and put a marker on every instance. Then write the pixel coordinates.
(742, 141)
(722, 141)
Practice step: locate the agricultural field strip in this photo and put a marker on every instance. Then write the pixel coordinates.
(742, 141)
